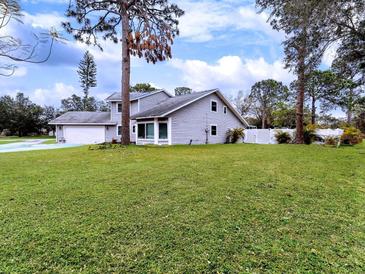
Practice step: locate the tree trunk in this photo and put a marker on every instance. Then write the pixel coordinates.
(349, 116)
(86, 95)
(350, 103)
(314, 109)
(263, 122)
(300, 92)
(126, 72)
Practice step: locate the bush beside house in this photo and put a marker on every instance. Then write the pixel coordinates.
(234, 135)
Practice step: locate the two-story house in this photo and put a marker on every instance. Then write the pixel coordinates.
(156, 118)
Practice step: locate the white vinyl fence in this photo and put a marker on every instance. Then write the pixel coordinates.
(267, 136)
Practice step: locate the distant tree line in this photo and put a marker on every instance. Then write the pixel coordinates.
(310, 28)
(272, 104)
(20, 116)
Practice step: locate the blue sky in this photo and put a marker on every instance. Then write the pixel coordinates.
(223, 44)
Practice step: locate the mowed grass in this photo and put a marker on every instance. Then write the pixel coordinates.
(218, 208)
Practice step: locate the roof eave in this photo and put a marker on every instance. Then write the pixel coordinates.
(220, 95)
(188, 103)
(179, 107)
(148, 117)
(82, 124)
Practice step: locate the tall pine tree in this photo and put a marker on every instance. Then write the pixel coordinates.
(145, 29)
(87, 74)
(308, 34)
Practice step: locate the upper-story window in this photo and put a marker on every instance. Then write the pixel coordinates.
(213, 106)
(225, 109)
(119, 107)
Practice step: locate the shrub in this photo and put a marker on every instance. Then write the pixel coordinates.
(331, 141)
(234, 134)
(283, 137)
(351, 136)
(310, 134)
(101, 146)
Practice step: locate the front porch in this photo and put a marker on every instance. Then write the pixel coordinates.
(156, 131)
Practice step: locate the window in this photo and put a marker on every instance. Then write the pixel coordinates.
(162, 131)
(119, 107)
(213, 106)
(213, 130)
(119, 130)
(150, 131)
(146, 131)
(141, 131)
(225, 109)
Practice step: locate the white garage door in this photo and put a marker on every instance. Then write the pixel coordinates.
(84, 134)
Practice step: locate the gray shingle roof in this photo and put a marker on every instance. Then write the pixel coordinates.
(116, 96)
(83, 117)
(175, 103)
(171, 104)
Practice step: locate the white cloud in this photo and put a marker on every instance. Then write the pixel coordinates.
(229, 73)
(102, 96)
(52, 96)
(111, 52)
(43, 20)
(201, 22)
(329, 55)
(251, 20)
(204, 19)
(20, 72)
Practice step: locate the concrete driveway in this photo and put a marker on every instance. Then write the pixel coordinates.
(28, 145)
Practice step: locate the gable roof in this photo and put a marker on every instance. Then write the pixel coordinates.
(116, 96)
(175, 103)
(83, 117)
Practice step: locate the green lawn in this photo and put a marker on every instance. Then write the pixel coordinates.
(9, 141)
(224, 208)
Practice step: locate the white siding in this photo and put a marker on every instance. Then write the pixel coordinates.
(59, 132)
(110, 133)
(116, 116)
(191, 122)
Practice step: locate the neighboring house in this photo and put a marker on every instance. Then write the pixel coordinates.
(156, 118)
